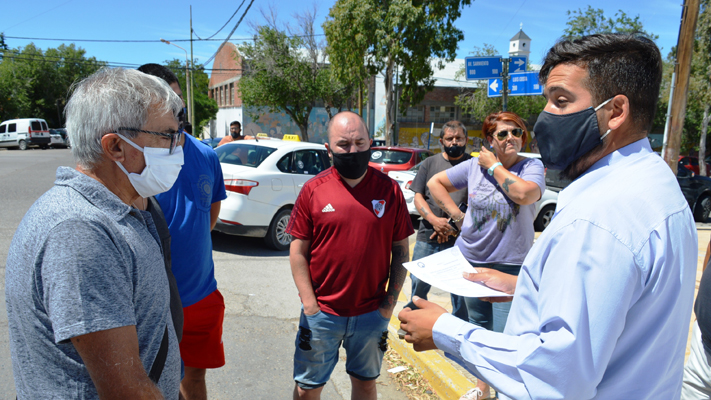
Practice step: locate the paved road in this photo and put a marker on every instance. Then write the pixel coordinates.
(262, 302)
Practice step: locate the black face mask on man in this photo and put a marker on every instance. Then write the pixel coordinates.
(351, 165)
(454, 151)
(565, 138)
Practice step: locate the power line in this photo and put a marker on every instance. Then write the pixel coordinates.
(139, 40)
(233, 31)
(223, 26)
(56, 59)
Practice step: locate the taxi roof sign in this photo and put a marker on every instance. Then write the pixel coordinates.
(293, 138)
(262, 135)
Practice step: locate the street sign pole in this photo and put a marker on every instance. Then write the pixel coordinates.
(505, 83)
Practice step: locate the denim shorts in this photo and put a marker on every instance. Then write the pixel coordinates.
(364, 338)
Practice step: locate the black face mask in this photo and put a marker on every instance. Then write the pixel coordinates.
(351, 165)
(454, 151)
(235, 135)
(565, 138)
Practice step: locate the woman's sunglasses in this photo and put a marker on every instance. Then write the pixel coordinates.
(516, 132)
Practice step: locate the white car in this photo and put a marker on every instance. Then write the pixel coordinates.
(404, 179)
(263, 178)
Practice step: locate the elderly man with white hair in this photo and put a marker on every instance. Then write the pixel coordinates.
(86, 287)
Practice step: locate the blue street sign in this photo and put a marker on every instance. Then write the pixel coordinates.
(483, 67)
(495, 86)
(517, 65)
(525, 84)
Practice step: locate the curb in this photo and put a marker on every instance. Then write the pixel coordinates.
(447, 382)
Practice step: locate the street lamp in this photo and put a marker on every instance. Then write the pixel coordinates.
(187, 78)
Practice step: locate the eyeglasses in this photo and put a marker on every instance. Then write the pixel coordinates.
(516, 132)
(174, 137)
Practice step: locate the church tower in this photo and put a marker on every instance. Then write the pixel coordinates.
(520, 44)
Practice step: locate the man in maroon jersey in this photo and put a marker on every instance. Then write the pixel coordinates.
(347, 223)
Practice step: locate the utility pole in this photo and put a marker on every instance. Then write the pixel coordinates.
(187, 76)
(192, 70)
(684, 49)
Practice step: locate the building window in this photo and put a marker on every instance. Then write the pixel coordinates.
(442, 114)
(232, 94)
(222, 95)
(413, 114)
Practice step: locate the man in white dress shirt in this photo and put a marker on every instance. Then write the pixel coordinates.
(603, 300)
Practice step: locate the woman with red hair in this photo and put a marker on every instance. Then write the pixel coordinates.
(497, 228)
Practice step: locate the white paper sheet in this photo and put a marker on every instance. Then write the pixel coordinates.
(443, 270)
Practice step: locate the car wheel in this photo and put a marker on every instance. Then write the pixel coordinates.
(22, 145)
(277, 238)
(544, 217)
(703, 209)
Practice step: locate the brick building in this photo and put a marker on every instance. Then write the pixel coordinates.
(227, 70)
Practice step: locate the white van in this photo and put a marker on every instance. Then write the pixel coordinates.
(24, 132)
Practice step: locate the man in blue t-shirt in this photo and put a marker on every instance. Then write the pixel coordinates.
(191, 208)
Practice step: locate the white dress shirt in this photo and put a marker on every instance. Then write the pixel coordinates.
(604, 297)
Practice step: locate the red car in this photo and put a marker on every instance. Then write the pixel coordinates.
(394, 158)
(692, 164)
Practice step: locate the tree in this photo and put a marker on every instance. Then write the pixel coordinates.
(34, 83)
(285, 69)
(701, 77)
(582, 23)
(388, 35)
(697, 117)
(205, 107)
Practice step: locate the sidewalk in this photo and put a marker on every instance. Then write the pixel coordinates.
(447, 378)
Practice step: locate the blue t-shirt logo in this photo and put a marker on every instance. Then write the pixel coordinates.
(205, 187)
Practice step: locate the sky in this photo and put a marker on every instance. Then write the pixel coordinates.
(484, 21)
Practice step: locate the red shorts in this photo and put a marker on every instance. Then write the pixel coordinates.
(201, 346)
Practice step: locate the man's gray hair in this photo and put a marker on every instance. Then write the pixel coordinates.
(109, 99)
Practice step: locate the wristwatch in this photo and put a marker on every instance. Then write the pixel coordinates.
(492, 168)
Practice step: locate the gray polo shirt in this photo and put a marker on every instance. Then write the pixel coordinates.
(83, 261)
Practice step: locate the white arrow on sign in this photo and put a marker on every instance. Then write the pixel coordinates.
(495, 86)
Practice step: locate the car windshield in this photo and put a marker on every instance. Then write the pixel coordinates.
(390, 156)
(249, 155)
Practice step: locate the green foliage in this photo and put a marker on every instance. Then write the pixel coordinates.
(34, 83)
(205, 107)
(699, 95)
(277, 78)
(581, 23)
(289, 73)
(367, 36)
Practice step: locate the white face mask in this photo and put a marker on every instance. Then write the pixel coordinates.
(161, 169)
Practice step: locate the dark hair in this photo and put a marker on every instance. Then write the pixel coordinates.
(236, 123)
(453, 125)
(488, 128)
(627, 64)
(160, 71)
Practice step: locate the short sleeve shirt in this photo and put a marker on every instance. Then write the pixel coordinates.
(186, 207)
(351, 232)
(82, 261)
(495, 229)
(429, 168)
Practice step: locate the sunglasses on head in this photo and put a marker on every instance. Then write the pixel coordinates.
(516, 132)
